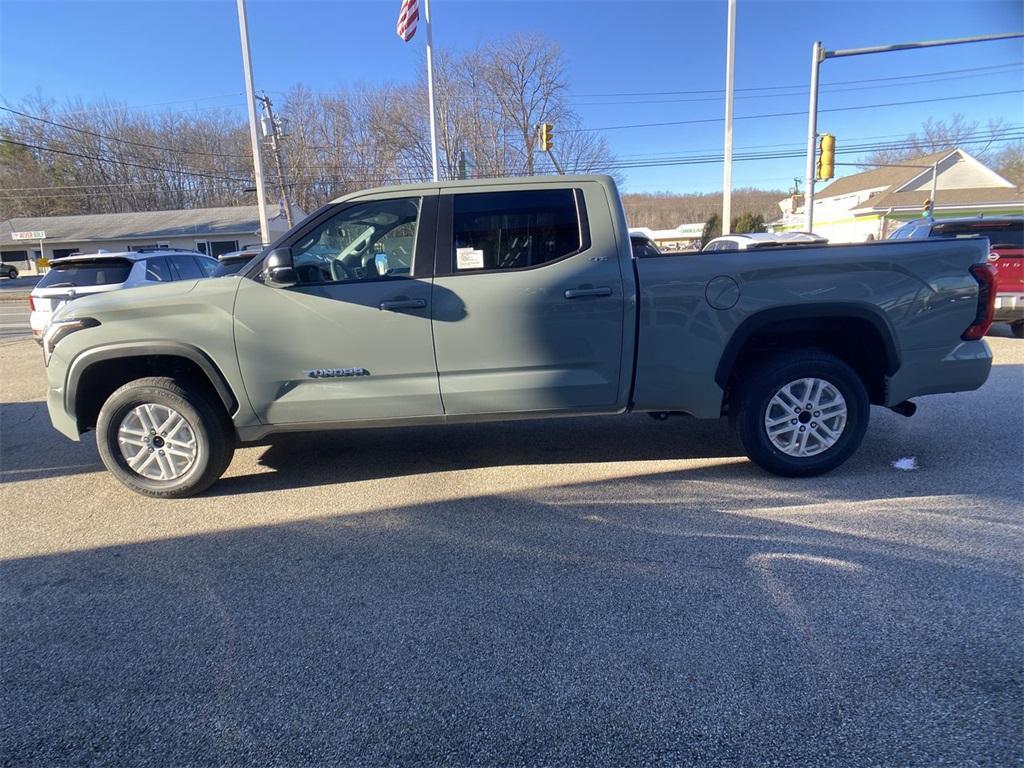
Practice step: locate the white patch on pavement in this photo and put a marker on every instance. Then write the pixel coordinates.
(907, 463)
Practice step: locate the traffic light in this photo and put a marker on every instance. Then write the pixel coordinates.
(547, 132)
(826, 157)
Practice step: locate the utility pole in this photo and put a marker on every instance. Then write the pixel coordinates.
(819, 54)
(730, 56)
(274, 133)
(257, 161)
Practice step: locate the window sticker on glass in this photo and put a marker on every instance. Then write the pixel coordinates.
(469, 258)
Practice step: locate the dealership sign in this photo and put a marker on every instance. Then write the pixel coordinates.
(36, 234)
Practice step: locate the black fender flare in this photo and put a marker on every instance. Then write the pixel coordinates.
(817, 311)
(89, 357)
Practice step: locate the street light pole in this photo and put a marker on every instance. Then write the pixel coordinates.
(819, 54)
(812, 136)
(257, 162)
(730, 55)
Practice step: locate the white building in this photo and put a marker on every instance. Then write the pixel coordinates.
(872, 204)
(683, 236)
(210, 230)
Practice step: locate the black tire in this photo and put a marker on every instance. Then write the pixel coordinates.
(758, 384)
(12, 274)
(1017, 329)
(205, 416)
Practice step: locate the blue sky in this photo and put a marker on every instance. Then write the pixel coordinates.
(145, 53)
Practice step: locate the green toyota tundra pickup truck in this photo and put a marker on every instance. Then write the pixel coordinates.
(498, 299)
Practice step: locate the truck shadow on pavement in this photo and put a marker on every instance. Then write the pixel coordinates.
(339, 457)
(580, 624)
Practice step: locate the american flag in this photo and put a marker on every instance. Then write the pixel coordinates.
(407, 18)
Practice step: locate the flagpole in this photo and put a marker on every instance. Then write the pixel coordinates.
(430, 88)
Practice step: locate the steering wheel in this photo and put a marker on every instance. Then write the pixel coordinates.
(339, 271)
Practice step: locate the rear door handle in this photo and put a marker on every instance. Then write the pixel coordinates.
(576, 293)
(393, 304)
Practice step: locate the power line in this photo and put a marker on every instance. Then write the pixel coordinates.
(802, 93)
(120, 140)
(125, 162)
(783, 155)
(803, 85)
(669, 162)
(133, 107)
(789, 114)
(996, 131)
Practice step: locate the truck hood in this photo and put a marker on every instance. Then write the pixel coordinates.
(149, 299)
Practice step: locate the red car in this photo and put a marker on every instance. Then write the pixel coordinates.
(1006, 242)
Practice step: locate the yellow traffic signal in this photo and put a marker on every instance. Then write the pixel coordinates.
(547, 132)
(826, 157)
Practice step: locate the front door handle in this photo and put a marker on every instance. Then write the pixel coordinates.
(576, 293)
(392, 304)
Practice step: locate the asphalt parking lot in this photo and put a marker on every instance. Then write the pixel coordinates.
(598, 591)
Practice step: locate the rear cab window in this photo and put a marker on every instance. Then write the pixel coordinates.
(85, 274)
(1000, 234)
(516, 230)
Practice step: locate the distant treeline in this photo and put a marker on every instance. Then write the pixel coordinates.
(667, 211)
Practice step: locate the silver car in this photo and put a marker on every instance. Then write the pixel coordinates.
(85, 274)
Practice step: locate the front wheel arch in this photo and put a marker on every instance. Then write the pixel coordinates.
(94, 375)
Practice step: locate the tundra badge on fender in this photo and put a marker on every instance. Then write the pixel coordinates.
(336, 373)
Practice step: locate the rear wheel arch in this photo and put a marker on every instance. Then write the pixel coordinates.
(859, 334)
(94, 375)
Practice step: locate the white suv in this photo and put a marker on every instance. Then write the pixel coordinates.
(763, 240)
(84, 274)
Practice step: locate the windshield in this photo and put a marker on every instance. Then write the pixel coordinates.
(229, 267)
(85, 274)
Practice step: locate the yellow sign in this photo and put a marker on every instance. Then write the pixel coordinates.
(42, 264)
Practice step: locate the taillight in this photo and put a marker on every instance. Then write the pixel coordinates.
(31, 304)
(985, 274)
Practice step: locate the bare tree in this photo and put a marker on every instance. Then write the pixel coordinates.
(939, 135)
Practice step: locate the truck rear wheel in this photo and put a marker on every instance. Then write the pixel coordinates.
(801, 414)
(164, 438)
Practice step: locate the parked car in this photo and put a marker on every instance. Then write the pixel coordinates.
(643, 246)
(1006, 243)
(9, 271)
(495, 299)
(231, 263)
(763, 240)
(84, 274)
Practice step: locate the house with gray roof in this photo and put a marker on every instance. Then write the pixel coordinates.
(209, 230)
(871, 204)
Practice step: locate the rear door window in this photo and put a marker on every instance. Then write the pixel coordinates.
(209, 266)
(514, 230)
(158, 270)
(84, 274)
(186, 268)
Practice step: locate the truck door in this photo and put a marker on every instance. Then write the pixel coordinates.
(351, 340)
(528, 301)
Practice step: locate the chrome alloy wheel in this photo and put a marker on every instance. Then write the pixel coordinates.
(157, 442)
(806, 417)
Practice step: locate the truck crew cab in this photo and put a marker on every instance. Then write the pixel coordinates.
(498, 299)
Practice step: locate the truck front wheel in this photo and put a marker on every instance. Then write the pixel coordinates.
(801, 414)
(164, 438)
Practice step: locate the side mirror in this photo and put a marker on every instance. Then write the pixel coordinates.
(278, 269)
(380, 261)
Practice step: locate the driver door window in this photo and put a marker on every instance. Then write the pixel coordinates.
(363, 241)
